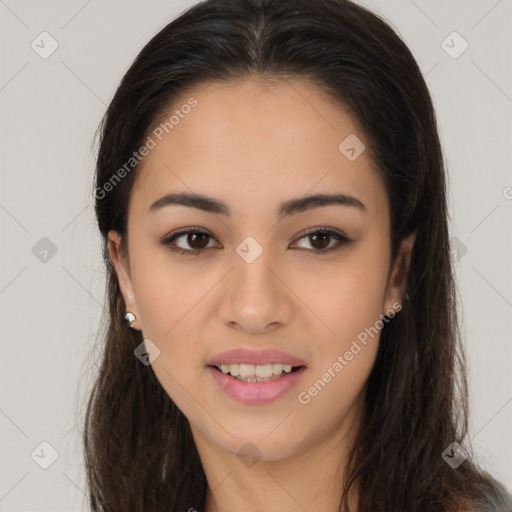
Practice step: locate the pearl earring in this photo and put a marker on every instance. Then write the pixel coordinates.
(130, 318)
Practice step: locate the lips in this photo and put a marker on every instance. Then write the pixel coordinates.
(254, 393)
(255, 357)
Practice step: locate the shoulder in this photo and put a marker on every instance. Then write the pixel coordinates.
(495, 497)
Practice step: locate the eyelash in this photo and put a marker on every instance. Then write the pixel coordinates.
(169, 240)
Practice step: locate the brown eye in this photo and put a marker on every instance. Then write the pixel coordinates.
(319, 239)
(195, 239)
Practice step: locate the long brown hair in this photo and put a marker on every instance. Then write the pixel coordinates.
(139, 451)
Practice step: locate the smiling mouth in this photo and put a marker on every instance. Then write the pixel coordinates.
(256, 373)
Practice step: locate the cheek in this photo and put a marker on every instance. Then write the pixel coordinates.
(345, 296)
(174, 303)
(166, 292)
(171, 305)
(345, 341)
(334, 395)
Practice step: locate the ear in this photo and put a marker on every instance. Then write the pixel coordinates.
(121, 265)
(396, 286)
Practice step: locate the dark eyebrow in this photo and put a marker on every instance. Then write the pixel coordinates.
(290, 207)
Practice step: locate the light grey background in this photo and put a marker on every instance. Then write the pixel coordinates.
(50, 310)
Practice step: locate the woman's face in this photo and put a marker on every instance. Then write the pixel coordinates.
(257, 281)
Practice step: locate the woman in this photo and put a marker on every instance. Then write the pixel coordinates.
(271, 195)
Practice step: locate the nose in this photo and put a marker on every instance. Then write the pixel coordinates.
(256, 297)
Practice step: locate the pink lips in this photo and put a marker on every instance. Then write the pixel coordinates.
(255, 392)
(255, 357)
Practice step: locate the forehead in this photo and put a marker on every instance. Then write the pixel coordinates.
(253, 144)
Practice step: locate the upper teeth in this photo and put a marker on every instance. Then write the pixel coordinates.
(250, 370)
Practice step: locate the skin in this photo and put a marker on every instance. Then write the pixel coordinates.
(254, 145)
